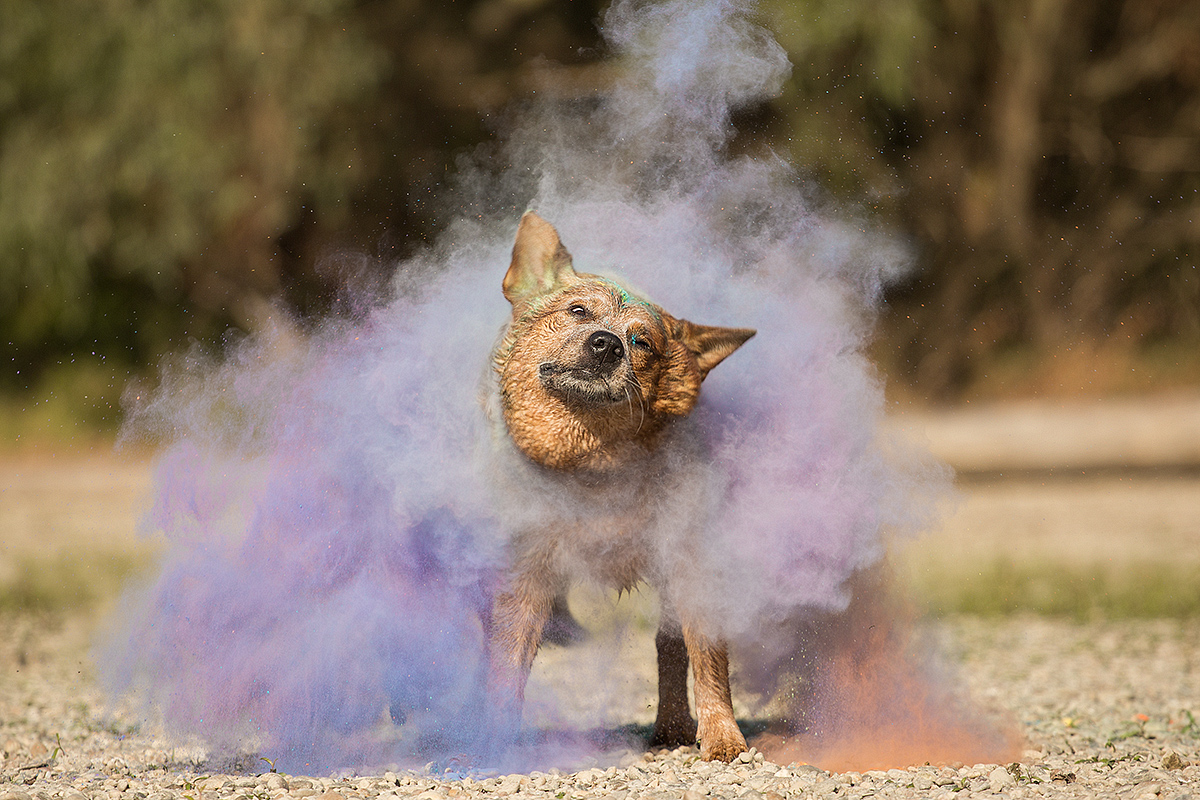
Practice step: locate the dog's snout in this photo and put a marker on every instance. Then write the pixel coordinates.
(605, 347)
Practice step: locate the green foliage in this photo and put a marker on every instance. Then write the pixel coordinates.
(82, 581)
(167, 168)
(73, 402)
(855, 67)
(1134, 590)
(152, 155)
(1042, 161)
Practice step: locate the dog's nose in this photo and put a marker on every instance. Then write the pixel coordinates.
(605, 347)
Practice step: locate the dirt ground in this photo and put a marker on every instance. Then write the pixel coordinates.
(1105, 708)
(1096, 492)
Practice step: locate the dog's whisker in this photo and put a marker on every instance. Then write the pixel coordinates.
(641, 401)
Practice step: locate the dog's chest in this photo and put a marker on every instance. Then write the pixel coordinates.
(609, 547)
(612, 528)
(590, 529)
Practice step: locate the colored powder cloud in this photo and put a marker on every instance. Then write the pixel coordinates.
(336, 504)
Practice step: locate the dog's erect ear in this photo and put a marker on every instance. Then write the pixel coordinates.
(711, 344)
(540, 262)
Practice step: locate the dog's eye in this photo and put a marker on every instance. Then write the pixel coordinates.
(641, 342)
(578, 310)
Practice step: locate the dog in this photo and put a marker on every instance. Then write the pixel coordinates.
(593, 383)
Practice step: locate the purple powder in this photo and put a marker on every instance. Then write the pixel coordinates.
(329, 500)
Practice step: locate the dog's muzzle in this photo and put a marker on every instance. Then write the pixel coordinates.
(594, 376)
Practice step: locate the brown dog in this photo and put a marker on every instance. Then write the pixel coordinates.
(593, 383)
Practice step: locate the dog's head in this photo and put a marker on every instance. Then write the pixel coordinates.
(589, 372)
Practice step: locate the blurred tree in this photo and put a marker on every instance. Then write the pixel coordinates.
(167, 167)
(150, 156)
(1043, 154)
(453, 68)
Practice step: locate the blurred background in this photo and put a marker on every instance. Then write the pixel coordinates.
(174, 170)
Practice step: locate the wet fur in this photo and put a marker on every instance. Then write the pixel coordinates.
(593, 383)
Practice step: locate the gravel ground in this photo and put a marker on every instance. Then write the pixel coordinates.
(1105, 708)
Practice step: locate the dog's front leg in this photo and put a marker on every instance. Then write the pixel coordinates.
(519, 615)
(720, 737)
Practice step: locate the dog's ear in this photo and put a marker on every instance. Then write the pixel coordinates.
(540, 262)
(711, 344)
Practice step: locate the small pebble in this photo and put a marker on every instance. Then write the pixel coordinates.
(1000, 779)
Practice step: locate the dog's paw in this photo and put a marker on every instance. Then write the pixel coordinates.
(722, 742)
